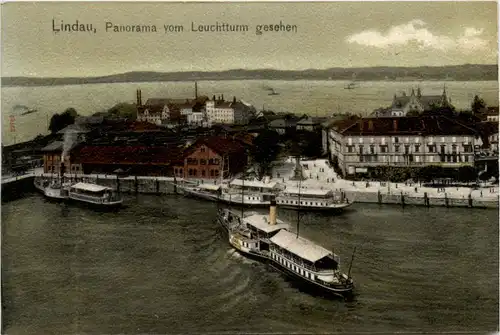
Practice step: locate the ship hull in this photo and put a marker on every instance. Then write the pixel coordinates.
(336, 209)
(113, 206)
(310, 286)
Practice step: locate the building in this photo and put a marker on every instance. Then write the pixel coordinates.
(169, 111)
(212, 158)
(413, 104)
(310, 123)
(197, 119)
(358, 145)
(284, 125)
(490, 114)
(228, 112)
(52, 159)
(135, 160)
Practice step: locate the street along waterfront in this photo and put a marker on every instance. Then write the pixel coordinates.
(161, 266)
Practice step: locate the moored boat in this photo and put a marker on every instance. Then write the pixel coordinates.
(312, 199)
(53, 190)
(95, 195)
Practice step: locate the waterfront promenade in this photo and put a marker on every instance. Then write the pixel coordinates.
(319, 175)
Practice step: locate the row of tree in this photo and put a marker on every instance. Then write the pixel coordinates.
(121, 110)
(428, 173)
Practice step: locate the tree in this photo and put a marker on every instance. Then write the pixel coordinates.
(477, 104)
(61, 121)
(265, 150)
(123, 110)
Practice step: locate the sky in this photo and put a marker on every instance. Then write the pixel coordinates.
(328, 34)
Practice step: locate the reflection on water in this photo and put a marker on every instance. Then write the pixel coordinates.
(162, 266)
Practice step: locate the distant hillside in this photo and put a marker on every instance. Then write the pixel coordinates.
(466, 72)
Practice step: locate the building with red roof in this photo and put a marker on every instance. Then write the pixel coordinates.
(211, 158)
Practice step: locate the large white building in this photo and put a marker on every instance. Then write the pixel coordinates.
(228, 112)
(359, 144)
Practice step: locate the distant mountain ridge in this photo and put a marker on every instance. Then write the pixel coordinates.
(467, 72)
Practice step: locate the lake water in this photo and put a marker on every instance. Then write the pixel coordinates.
(301, 96)
(161, 266)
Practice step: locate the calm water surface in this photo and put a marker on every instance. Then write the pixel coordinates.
(162, 266)
(314, 97)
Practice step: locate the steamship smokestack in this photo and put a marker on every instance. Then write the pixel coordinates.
(272, 212)
(62, 169)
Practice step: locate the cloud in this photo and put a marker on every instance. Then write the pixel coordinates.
(416, 32)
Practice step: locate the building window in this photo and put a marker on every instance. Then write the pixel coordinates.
(203, 161)
(372, 149)
(417, 148)
(360, 149)
(396, 148)
(383, 148)
(443, 149)
(192, 161)
(468, 148)
(212, 173)
(396, 140)
(349, 148)
(216, 173)
(454, 149)
(432, 148)
(203, 173)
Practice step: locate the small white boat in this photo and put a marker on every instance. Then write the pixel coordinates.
(312, 199)
(238, 192)
(93, 194)
(204, 191)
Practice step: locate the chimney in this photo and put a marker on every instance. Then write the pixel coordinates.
(196, 90)
(272, 212)
(234, 100)
(62, 169)
(395, 125)
(222, 97)
(139, 98)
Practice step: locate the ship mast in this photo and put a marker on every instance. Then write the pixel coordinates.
(298, 210)
(350, 265)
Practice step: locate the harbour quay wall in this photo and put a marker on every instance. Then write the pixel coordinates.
(422, 200)
(16, 187)
(129, 185)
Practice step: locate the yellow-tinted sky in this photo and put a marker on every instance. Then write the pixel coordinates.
(334, 34)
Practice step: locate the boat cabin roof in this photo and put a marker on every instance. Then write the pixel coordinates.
(211, 187)
(307, 191)
(300, 246)
(261, 222)
(90, 187)
(253, 183)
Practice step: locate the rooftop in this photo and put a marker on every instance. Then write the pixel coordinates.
(54, 146)
(306, 191)
(221, 145)
(261, 222)
(408, 125)
(159, 155)
(90, 187)
(253, 183)
(300, 246)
